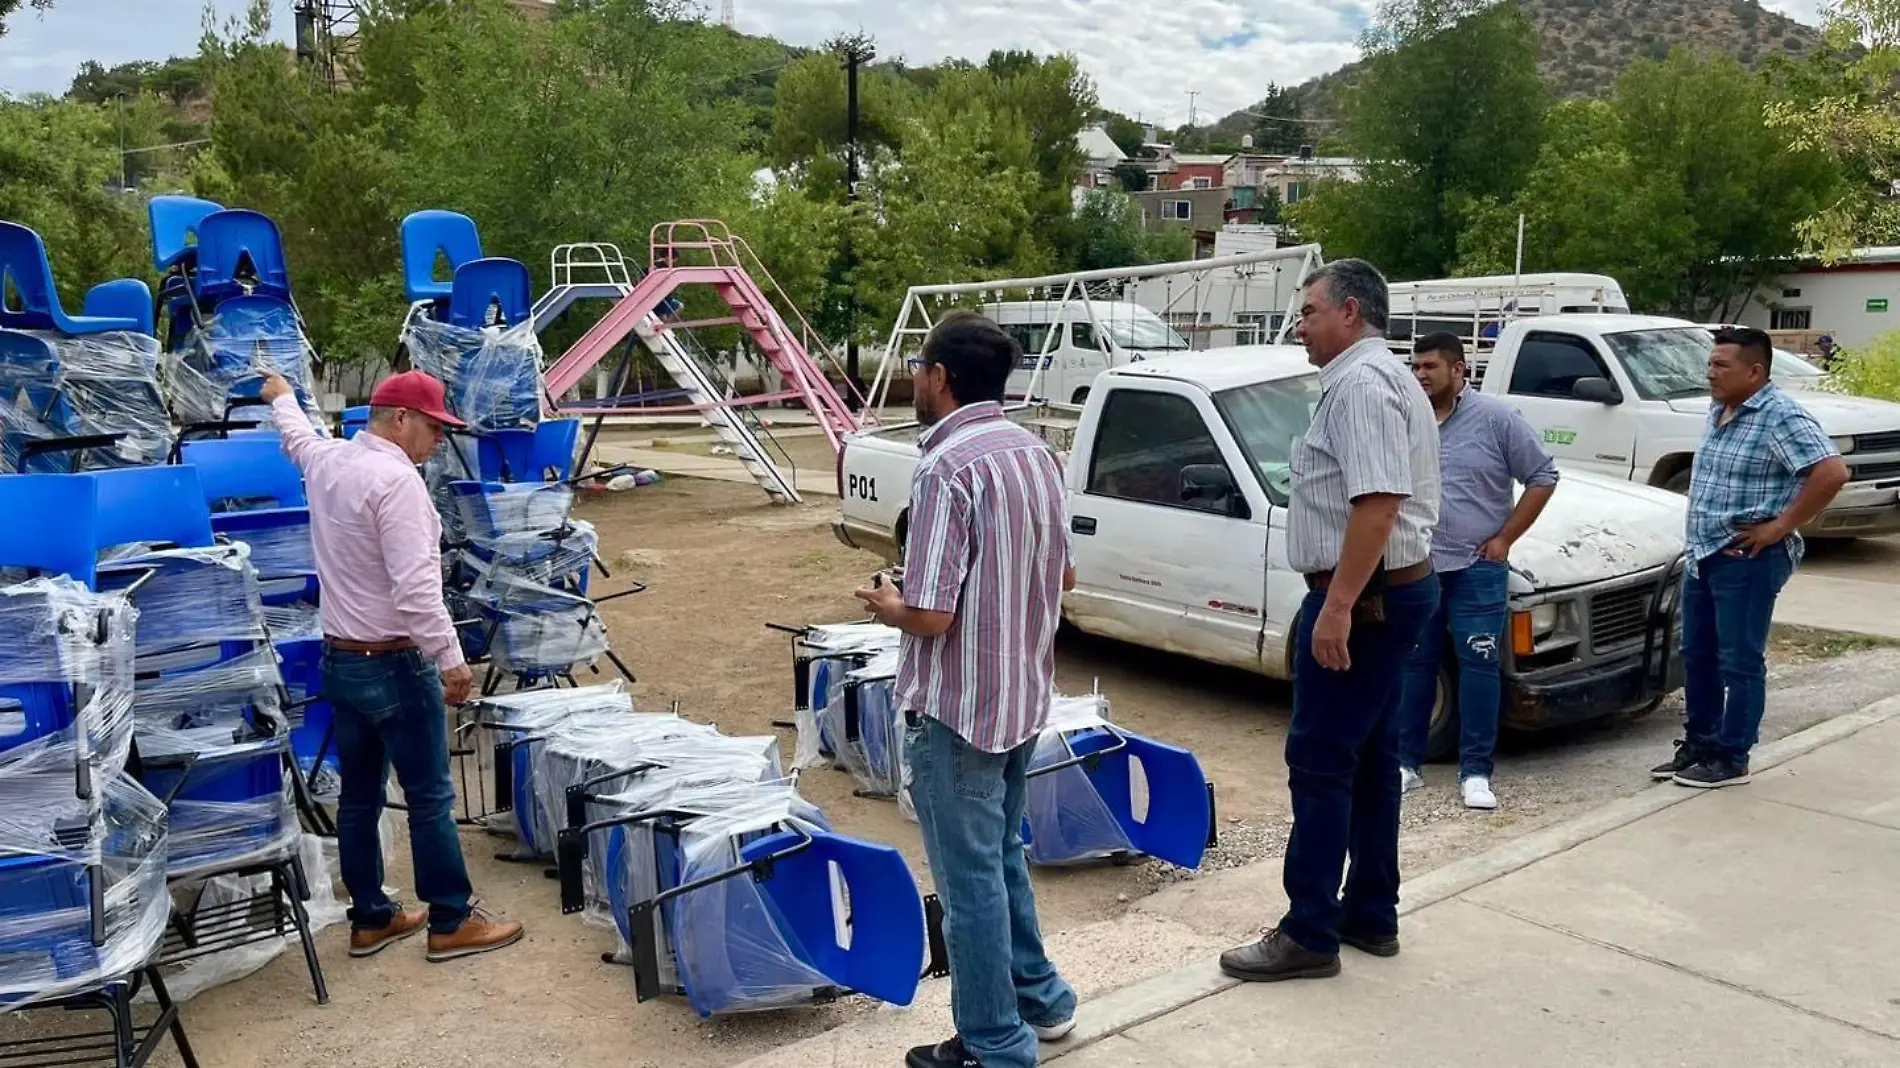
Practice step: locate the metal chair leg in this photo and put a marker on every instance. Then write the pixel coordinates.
(170, 1018)
(303, 930)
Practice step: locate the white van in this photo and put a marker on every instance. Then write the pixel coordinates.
(1076, 340)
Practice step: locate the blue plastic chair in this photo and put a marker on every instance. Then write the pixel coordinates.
(123, 298)
(427, 234)
(152, 504)
(483, 284)
(355, 420)
(26, 271)
(312, 736)
(518, 454)
(245, 469)
(175, 222)
(50, 529)
(229, 239)
(1176, 826)
(555, 441)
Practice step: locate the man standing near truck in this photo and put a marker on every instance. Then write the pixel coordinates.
(986, 564)
(1359, 527)
(1484, 445)
(1764, 468)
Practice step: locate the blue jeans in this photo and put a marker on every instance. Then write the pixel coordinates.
(1727, 605)
(970, 809)
(1342, 758)
(1471, 609)
(390, 713)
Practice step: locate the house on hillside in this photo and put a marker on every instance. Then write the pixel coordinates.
(1189, 192)
(1104, 155)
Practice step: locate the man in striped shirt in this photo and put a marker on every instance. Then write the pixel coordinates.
(1359, 528)
(986, 564)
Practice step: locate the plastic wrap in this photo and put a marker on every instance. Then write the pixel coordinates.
(290, 622)
(281, 551)
(205, 709)
(539, 630)
(226, 356)
(1066, 819)
(821, 657)
(731, 953)
(96, 384)
(524, 528)
(492, 375)
(192, 595)
(863, 727)
(66, 659)
(53, 844)
(510, 729)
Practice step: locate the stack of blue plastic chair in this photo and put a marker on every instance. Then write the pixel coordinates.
(61, 376)
(475, 331)
(1083, 787)
(230, 315)
(842, 680)
(83, 846)
(256, 496)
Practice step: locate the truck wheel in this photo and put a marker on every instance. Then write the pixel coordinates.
(1441, 739)
(1081, 397)
(1678, 482)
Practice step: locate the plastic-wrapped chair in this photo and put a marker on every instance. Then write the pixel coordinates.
(760, 906)
(492, 375)
(525, 528)
(864, 726)
(240, 253)
(822, 656)
(1084, 776)
(219, 363)
(24, 265)
(257, 497)
(311, 716)
(51, 529)
(427, 236)
(103, 387)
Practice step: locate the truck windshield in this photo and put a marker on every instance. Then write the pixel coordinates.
(1268, 418)
(1665, 364)
(1142, 334)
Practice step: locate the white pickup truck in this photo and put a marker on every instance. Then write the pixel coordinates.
(1628, 396)
(1177, 476)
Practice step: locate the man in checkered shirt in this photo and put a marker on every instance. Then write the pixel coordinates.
(1764, 469)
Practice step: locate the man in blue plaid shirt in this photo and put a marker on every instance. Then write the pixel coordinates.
(1764, 469)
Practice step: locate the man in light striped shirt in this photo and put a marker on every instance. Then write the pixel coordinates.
(986, 564)
(1359, 527)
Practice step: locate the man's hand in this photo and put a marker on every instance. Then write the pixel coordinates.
(1497, 550)
(275, 387)
(1755, 538)
(456, 682)
(1331, 632)
(884, 601)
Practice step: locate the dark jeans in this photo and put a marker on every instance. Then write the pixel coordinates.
(1727, 605)
(390, 713)
(1471, 610)
(1342, 758)
(970, 809)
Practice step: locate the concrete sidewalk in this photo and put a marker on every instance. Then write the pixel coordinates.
(1752, 926)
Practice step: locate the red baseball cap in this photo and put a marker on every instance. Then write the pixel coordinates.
(418, 391)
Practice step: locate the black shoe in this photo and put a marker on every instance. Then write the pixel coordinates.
(1377, 945)
(949, 1054)
(1713, 774)
(1277, 957)
(1688, 755)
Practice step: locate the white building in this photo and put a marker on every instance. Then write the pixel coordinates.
(1103, 153)
(1854, 301)
(1229, 305)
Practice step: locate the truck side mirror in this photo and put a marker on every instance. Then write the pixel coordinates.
(1213, 482)
(1596, 390)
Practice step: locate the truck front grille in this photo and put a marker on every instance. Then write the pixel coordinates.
(1885, 441)
(1869, 472)
(1618, 616)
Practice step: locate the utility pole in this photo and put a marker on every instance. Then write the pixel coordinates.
(121, 142)
(1192, 94)
(853, 52)
(726, 17)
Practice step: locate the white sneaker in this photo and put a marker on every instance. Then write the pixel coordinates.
(1410, 780)
(1478, 793)
(1055, 1032)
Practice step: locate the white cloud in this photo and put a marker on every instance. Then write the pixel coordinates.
(1144, 56)
(43, 50)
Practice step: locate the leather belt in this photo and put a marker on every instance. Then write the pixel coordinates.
(1320, 580)
(349, 645)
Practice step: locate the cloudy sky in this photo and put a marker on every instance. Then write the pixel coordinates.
(1146, 56)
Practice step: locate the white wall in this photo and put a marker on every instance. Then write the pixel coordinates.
(1838, 300)
(1219, 296)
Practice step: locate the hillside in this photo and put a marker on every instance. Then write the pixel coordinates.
(1586, 43)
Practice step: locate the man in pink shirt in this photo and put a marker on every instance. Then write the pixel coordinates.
(390, 658)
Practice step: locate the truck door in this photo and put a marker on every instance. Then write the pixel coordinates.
(1591, 432)
(1166, 569)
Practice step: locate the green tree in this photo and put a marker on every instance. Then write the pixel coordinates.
(1848, 106)
(1448, 112)
(8, 7)
(809, 113)
(1109, 233)
(58, 163)
(1128, 135)
(1276, 129)
(1132, 176)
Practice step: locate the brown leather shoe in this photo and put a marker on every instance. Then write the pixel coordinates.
(1277, 957)
(405, 923)
(478, 934)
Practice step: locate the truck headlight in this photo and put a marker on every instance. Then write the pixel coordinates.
(1844, 445)
(1543, 620)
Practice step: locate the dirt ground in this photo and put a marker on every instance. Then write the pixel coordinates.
(722, 563)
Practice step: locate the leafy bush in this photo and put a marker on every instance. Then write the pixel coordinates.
(1873, 370)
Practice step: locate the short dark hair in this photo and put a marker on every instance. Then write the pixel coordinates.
(1447, 345)
(976, 356)
(1361, 281)
(1755, 345)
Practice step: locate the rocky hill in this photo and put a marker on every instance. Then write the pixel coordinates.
(1587, 43)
